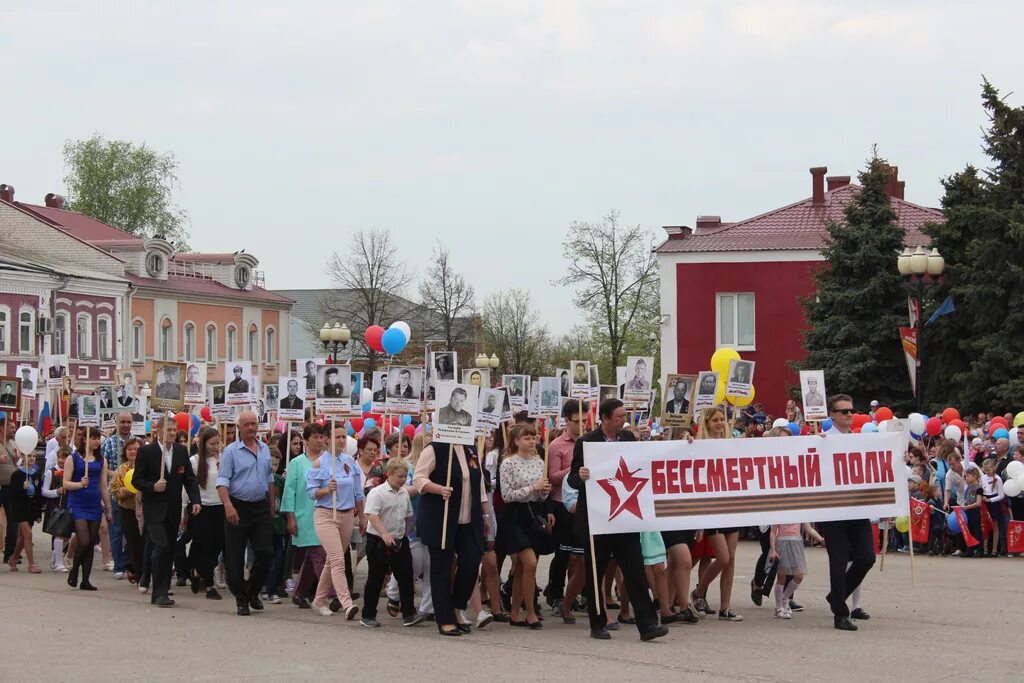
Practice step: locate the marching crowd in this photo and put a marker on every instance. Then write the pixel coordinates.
(288, 516)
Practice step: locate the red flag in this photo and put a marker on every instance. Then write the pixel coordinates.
(1015, 537)
(986, 521)
(961, 517)
(878, 539)
(920, 520)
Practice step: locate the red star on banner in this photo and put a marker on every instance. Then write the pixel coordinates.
(624, 490)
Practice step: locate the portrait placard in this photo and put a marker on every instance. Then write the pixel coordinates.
(306, 368)
(517, 390)
(29, 376)
(455, 420)
(480, 377)
(57, 368)
(195, 384)
(679, 399)
(88, 411)
(333, 395)
(379, 386)
(564, 385)
(707, 391)
(812, 389)
(403, 389)
(238, 380)
(639, 378)
(10, 394)
(169, 389)
(549, 396)
(489, 414)
(741, 378)
(290, 406)
(580, 374)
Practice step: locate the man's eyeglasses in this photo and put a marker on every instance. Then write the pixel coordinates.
(844, 411)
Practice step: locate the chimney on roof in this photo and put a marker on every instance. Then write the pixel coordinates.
(708, 222)
(7, 192)
(895, 187)
(677, 232)
(54, 200)
(837, 181)
(818, 185)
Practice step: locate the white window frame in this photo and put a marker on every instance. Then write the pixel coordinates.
(165, 340)
(138, 341)
(211, 349)
(230, 343)
(83, 354)
(105, 346)
(5, 330)
(269, 342)
(30, 348)
(719, 341)
(61, 342)
(188, 341)
(252, 341)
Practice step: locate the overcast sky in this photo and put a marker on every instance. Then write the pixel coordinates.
(491, 125)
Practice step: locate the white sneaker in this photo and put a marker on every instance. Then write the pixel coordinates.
(783, 613)
(218, 578)
(289, 586)
(143, 589)
(118, 576)
(273, 599)
(483, 618)
(322, 610)
(109, 566)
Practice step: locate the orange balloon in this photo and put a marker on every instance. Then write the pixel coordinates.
(883, 413)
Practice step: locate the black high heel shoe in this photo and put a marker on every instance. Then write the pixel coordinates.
(454, 632)
(73, 576)
(86, 586)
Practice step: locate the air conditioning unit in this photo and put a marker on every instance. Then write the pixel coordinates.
(44, 326)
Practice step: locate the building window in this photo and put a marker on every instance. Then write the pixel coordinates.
(138, 342)
(254, 340)
(60, 334)
(230, 348)
(736, 321)
(103, 338)
(268, 351)
(211, 343)
(5, 330)
(83, 327)
(189, 339)
(166, 344)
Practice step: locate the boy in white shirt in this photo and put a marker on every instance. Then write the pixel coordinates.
(388, 510)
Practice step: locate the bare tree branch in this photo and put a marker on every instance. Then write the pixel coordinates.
(513, 330)
(446, 294)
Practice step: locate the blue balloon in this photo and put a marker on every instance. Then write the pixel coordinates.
(393, 341)
(869, 428)
(369, 424)
(3, 415)
(149, 426)
(1000, 434)
(367, 406)
(826, 424)
(794, 429)
(405, 420)
(952, 523)
(349, 430)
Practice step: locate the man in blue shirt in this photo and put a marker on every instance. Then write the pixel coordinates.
(245, 485)
(113, 450)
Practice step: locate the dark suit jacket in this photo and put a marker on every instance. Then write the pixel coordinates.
(238, 386)
(595, 436)
(58, 371)
(671, 407)
(398, 393)
(289, 403)
(158, 507)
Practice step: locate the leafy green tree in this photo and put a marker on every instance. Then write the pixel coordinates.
(125, 185)
(860, 302)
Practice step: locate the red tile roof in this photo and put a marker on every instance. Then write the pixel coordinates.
(205, 258)
(78, 224)
(201, 285)
(797, 226)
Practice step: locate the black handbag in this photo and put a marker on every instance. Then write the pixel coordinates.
(59, 522)
(541, 537)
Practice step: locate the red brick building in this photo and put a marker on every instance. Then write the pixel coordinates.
(739, 284)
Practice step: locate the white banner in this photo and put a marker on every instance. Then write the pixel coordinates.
(717, 483)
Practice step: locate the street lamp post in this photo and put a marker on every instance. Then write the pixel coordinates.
(924, 270)
(334, 339)
(482, 361)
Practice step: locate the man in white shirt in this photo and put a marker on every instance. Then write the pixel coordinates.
(60, 439)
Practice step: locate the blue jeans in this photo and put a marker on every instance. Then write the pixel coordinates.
(276, 567)
(116, 537)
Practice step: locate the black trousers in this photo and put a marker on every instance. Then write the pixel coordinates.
(563, 531)
(256, 527)
(133, 539)
(182, 566)
(162, 537)
(207, 541)
(381, 559)
(625, 548)
(848, 542)
(451, 594)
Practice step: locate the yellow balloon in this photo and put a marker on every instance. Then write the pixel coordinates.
(741, 401)
(720, 360)
(128, 482)
(720, 392)
(1018, 419)
(902, 524)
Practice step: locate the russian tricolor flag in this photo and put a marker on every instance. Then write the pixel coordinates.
(44, 425)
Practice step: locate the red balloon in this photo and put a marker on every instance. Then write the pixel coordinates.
(883, 413)
(859, 420)
(357, 424)
(855, 430)
(950, 414)
(960, 424)
(394, 420)
(409, 431)
(1000, 420)
(206, 414)
(933, 426)
(184, 421)
(373, 336)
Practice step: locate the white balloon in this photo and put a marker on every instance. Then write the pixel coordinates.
(404, 327)
(884, 425)
(917, 422)
(780, 422)
(351, 446)
(953, 433)
(1013, 437)
(366, 395)
(1014, 470)
(26, 438)
(1012, 488)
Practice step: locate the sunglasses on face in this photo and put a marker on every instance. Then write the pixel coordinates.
(844, 411)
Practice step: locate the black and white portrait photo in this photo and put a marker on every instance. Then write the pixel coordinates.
(29, 376)
(105, 394)
(639, 378)
(291, 404)
(56, 370)
(455, 420)
(195, 384)
(478, 377)
(10, 394)
(88, 411)
(563, 381)
(403, 389)
(169, 386)
(741, 378)
(333, 395)
(489, 413)
(238, 380)
(356, 390)
(678, 400)
(580, 374)
(270, 394)
(607, 391)
(379, 386)
(444, 364)
(549, 396)
(812, 387)
(707, 391)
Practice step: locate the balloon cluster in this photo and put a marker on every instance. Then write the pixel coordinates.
(391, 341)
(720, 364)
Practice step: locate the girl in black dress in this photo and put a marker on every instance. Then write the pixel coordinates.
(25, 500)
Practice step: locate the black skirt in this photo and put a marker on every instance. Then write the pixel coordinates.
(515, 528)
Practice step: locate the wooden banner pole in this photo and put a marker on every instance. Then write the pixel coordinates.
(598, 589)
(910, 531)
(448, 500)
(334, 466)
(885, 547)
